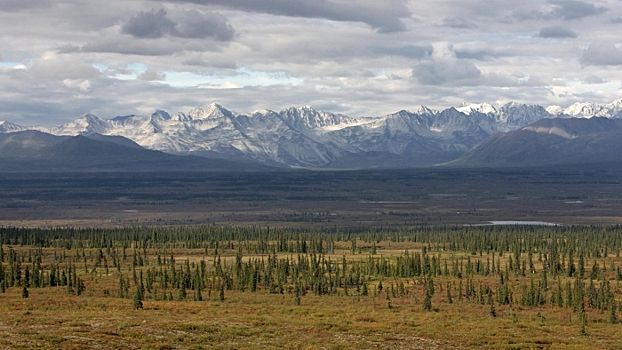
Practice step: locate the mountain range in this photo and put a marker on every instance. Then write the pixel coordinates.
(472, 134)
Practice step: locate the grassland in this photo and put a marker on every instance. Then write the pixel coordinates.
(103, 317)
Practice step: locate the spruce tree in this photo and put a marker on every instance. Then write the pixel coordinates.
(136, 301)
(491, 302)
(427, 301)
(613, 317)
(221, 295)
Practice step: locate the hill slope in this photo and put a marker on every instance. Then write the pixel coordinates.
(550, 142)
(44, 152)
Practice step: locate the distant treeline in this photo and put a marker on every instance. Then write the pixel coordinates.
(554, 243)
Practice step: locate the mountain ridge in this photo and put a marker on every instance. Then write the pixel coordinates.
(304, 137)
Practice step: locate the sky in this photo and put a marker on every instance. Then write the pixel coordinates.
(60, 59)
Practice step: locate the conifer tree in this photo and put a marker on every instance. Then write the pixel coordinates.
(136, 300)
(221, 294)
(491, 302)
(613, 317)
(449, 298)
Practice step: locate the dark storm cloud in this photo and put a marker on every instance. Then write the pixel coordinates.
(188, 24)
(601, 54)
(385, 17)
(556, 32)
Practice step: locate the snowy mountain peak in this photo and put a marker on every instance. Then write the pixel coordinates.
(90, 117)
(484, 108)
(615, 104)
(423, 110)
(213, 111)
(512, 104)
(262, 112)
(9, 127)
(555, 110)
(181, 117)
(308, 118)
(583, 110)
(160, 114)
(613, 108)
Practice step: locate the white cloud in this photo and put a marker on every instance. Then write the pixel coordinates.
(445, 68)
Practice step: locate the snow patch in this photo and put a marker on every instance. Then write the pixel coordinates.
(551, 131)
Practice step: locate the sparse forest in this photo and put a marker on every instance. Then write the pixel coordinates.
(501, 286)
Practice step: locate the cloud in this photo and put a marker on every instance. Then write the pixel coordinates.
(197, 25)
(152, 75)
(384, 16)
(410, 51)
(562, 9)
(601, 54)
(556, 32)
(81, 85)
(190, 24)
(153, 24)
(111, 40)
(458, 23)
(592, 79)
(218, 62)
(573, 9)
(17, 5)
(445, 68)
(57, 67)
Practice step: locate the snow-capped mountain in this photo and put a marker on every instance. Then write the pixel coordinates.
(10, 127)
(484, 108)
(589, 110)
(304, 137)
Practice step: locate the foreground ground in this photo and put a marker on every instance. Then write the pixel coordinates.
(271, 322)
(341, 302)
